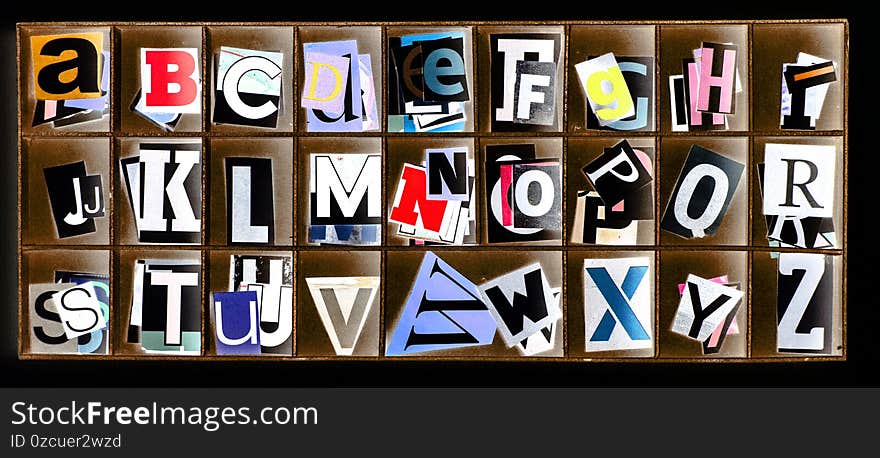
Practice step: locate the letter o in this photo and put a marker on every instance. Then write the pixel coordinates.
(286, 416)
(523, 203)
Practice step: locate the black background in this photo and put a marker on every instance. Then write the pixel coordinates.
(861, 305)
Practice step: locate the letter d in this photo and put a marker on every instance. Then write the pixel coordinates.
(337, 85)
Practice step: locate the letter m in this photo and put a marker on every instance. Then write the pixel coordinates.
(341, 188)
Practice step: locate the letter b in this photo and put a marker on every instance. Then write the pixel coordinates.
(170, 79)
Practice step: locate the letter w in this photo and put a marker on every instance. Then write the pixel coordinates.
(532, 305)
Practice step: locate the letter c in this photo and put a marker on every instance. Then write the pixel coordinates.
(230, 86)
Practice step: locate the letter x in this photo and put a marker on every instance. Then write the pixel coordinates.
(618, 304)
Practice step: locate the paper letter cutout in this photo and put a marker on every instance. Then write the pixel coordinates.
(166, 177)
(801, 80)
(803, 232)
(443, 311)
(507, 51)
(236, 323)
(412, 193)
(76, 199)
(427, 83)
(729, 326)
(678, 104)
(345, 189)
(638, 73)
(345, 199)
(343, 304)
(544, 341)
(48, 335)
(521, 303)
(617, 173)
(271, 277)
(250, 209)
(717, 78)
(595, 223)
(693, 209)
(97, 341)
(534, 93)
(617, 304)
(67, 66)
(447, 171)
(80, 310)
(703, 307)
(804, 304)
(606, 89)
(799, 180)
(615, 223)
(170, 80)
(420, 206)
(326, 79)
(444, 73)
(524, 194)
(698, 120)
(351, 117)
(167, 306)
(248, 87)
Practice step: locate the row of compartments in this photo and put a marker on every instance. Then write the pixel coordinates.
(754, 273)
(757, 104)
(291, 172)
